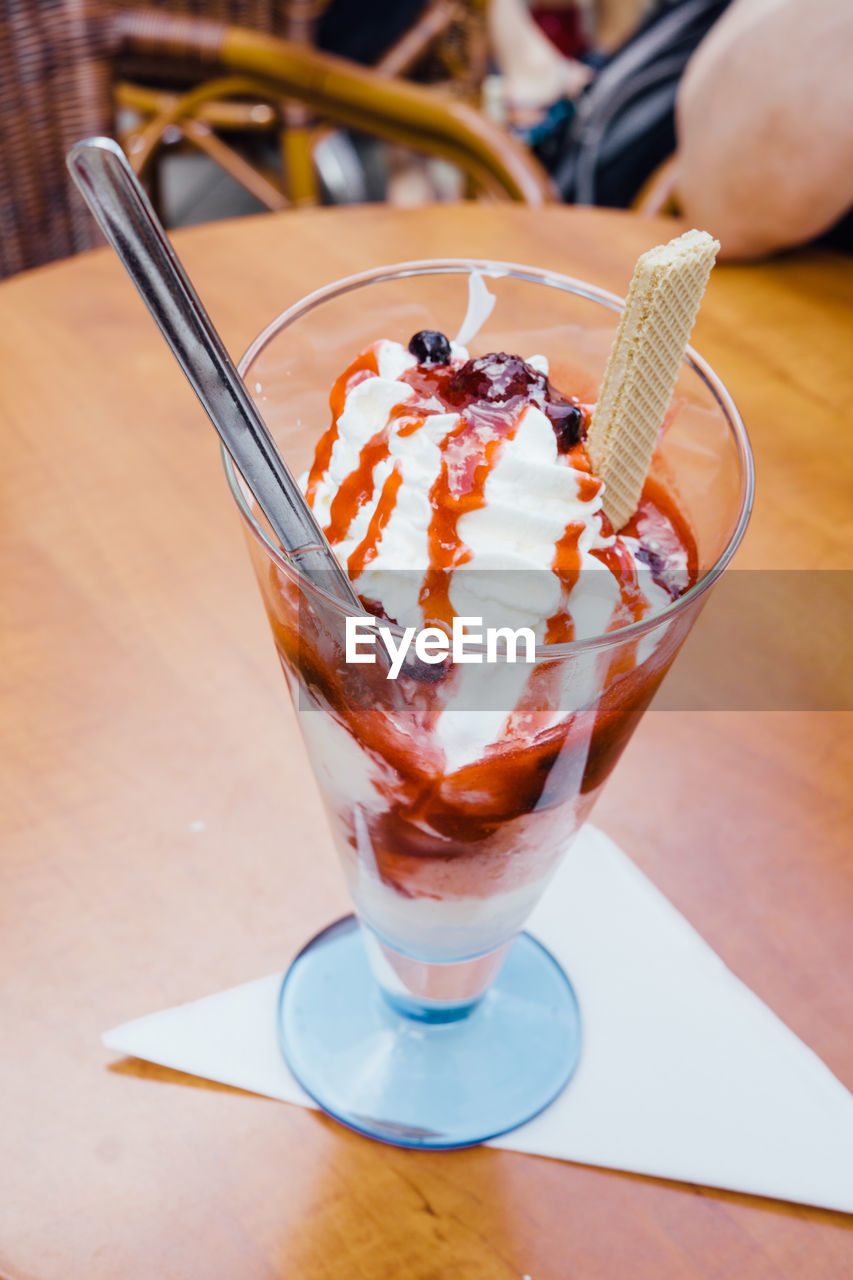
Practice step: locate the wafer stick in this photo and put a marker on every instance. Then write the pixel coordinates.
(642, 367)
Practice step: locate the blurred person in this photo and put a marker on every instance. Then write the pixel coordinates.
(615, 21)
(534, 73)
(566, 23)
(602, 124)
(750, 100)
(765, 127)
(547, 52)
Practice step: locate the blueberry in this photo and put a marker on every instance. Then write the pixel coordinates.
(567, 421)
(430, 347)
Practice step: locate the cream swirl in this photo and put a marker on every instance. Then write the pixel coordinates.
(408, 472)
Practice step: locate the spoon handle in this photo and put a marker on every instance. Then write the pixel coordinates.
(124, 213)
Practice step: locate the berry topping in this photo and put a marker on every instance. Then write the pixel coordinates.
(665, 570)
(430, 347)
(424, 672)
(502, 380)
(566, 419)
(493, 379)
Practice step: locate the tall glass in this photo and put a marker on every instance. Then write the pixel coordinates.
(429, 1019)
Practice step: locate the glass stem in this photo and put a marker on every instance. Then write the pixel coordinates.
(429, 991)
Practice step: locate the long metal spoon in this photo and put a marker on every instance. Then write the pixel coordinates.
(124, 213)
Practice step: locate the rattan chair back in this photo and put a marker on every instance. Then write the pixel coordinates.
(55, 87)
(59, 60)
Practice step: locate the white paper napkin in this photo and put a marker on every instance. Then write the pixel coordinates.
(684, 1074)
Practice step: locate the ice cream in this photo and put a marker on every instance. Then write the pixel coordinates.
(440, 465)
(450, 812)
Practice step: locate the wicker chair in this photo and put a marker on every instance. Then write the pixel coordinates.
(446, 45)
(60, 60)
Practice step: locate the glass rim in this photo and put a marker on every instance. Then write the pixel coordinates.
(496, 269)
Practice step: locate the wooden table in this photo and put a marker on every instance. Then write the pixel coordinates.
(162, 837)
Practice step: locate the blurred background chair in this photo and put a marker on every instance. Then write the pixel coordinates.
(442, 42)
(61, 65)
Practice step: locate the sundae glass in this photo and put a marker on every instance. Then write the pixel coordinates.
(455, 780)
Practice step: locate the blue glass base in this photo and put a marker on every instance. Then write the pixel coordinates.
(417, 1083)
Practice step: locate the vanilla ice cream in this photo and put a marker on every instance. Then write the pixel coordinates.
(453, 487)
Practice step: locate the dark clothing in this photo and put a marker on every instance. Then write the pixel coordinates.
(363, 30)
(624, 124)
(839, 237)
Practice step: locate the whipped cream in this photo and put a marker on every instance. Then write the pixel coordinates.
(532, 496)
